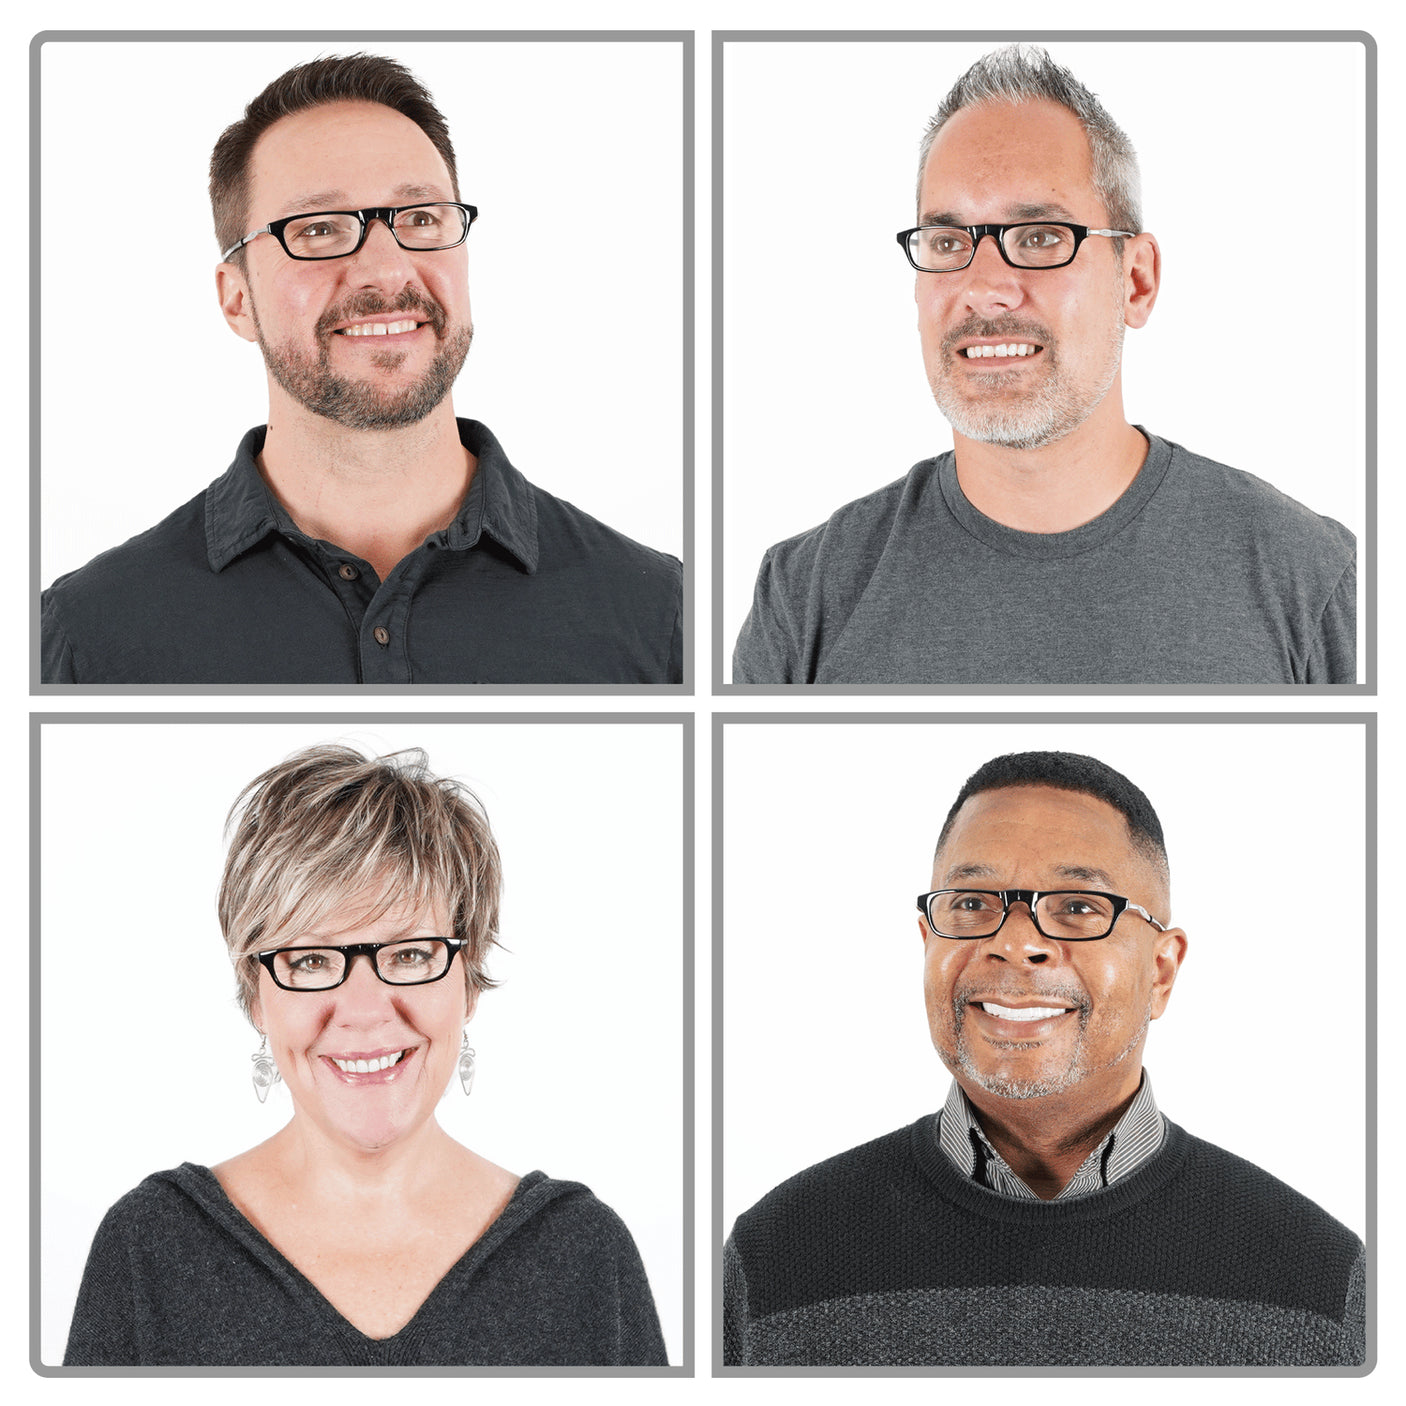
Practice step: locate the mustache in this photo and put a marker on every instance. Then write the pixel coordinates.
(369, 304)
(1006, 327)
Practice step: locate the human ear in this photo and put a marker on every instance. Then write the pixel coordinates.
(232, 288)
(1142, 276)
(1167, 956)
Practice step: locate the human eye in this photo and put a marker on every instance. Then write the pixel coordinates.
(1041, 237)
(1079, 905)
(948, 242)
(972, 901)
(307, 961)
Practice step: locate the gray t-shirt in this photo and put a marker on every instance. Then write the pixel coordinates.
(1198, 574)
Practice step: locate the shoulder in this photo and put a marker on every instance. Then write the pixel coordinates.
(573, 1215)
(565, 529)
(177, 539)
(830, 1198)
(1261, 1204)
(137, 577)
(1242, 502)
(856, 532)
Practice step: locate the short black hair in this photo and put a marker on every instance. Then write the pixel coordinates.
(1070, 771)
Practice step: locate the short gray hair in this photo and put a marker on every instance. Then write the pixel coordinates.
(329, 826)
(1026, 73)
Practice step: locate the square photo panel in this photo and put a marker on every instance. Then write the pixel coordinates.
(395, 403)
(990, 413)
(360, 1045)
(1070, 1076)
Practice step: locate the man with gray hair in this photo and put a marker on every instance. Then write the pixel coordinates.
(1049, 1215)
(1056, 543)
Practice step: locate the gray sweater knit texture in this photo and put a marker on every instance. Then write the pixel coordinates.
(178, 1276)
(888, 1256)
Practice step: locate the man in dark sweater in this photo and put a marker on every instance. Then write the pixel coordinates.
(1049, 1215)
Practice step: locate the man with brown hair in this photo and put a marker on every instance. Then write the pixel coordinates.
(365, 535)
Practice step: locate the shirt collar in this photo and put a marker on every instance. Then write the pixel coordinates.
(1130, 1142)
(240, 511)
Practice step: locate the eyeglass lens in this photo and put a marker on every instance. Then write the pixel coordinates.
(400, 963)
(943, 248)
(967, 913)
(328, 236)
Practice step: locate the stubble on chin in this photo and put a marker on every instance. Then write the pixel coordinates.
(358, 404)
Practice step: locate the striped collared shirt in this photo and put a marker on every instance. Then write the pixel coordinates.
(1130, 1142)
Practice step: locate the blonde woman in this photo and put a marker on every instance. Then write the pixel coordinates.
(359, 901)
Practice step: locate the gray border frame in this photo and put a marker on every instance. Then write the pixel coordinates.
(1367, 603)
(684, 721)
(1368, 721)
(683, 37)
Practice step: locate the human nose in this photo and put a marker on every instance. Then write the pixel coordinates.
(992, 285)
(1018, 940)
(381, 261)
(362, 995)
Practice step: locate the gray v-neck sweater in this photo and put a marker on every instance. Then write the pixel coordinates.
(178, 1276)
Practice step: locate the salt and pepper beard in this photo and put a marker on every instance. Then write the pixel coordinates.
(960, 1061)
(1045, 411)
(362, 405)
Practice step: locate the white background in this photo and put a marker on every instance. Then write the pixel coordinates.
(1253, 355)
(572, 153)
(830, 831)
(145, 1054)
(1266, 308)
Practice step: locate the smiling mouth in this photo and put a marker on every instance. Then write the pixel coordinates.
(1002, 349)
(1021, 1013)
(380, 329)
(368, 1066)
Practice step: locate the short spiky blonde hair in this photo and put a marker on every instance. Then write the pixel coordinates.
(328, 827)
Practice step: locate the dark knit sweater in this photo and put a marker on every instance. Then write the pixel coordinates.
(177, 1276)
(887, 1255)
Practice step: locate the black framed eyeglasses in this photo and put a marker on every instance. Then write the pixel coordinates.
(1044, 245)
(1064, 915)
(410, 962)
(334, 234)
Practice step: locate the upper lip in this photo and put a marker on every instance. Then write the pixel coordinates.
(366, 1054)
(1021, 1003)
(382, 317)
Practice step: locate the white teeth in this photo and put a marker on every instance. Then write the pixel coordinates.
(366, 1066)
(1028, 1013)
(1001, 349)
(379, 329)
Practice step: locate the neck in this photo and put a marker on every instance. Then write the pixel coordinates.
(375, 493)
(309, 1163)
(1044, 1141)
(1059, 486)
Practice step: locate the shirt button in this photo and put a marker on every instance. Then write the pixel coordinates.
(381, 635)
(347, 571)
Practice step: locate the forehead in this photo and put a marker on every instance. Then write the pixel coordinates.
(990, 161)
(379, 916)
(354, 152)
(1039, 837)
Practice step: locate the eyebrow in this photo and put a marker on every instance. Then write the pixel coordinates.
(311, 202)
(1015, 214)
(1081, 873)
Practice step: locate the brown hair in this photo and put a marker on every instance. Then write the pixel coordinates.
(329, 826)
(366, 78)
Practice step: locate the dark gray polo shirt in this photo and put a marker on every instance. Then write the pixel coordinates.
(521, 587)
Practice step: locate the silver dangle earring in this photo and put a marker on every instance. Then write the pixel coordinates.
(266, 1073)
(466, 1064)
